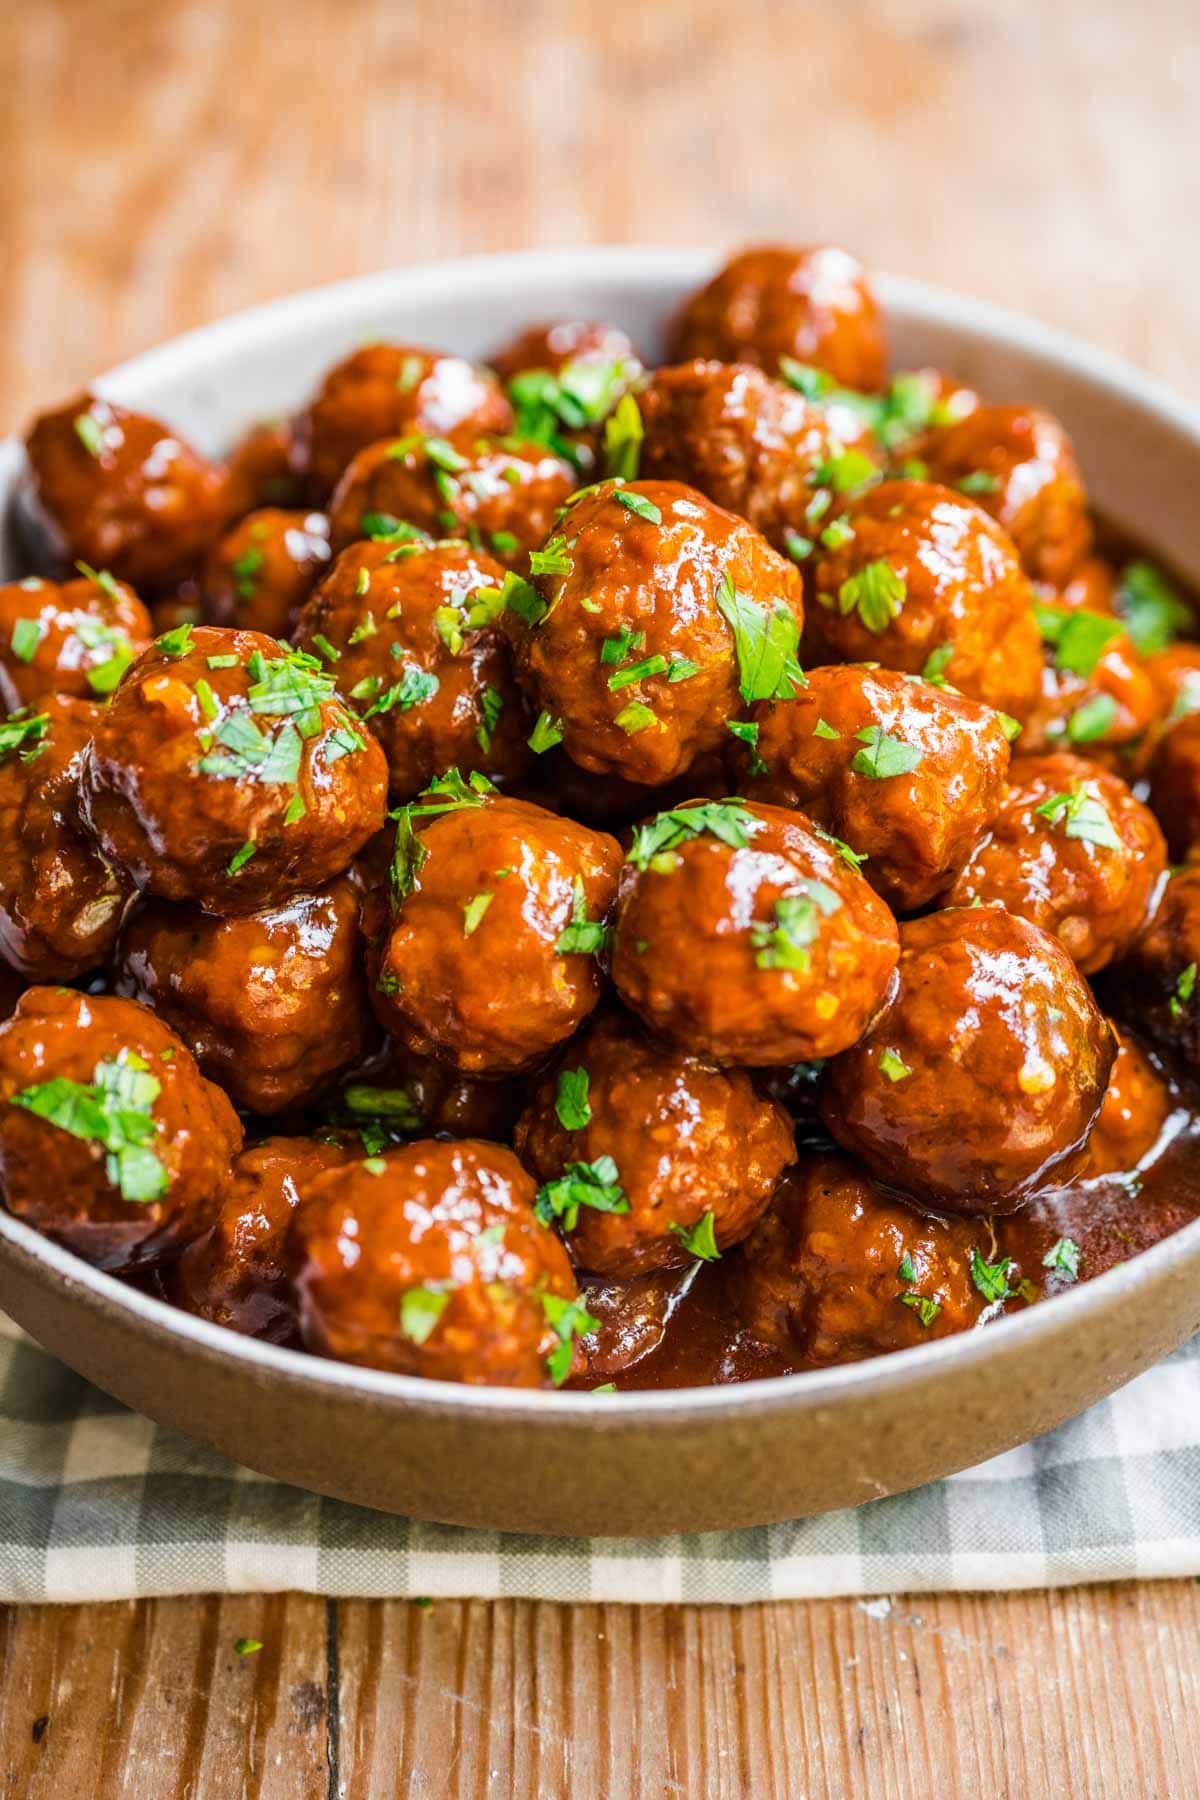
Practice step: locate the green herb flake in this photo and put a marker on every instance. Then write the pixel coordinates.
(926, 1309)
(568, 1320)
(1094, 719)
(700, 1239)
(241, 857)
(221, 662)
(491, 705)
(329, 651)
(176, 643)
(583, 936)
(89, 432)
(1062, 1259)
(638, 505)
(247, 1646)
(798, 548)
(936, 663)
(114, 1110)
(682, 669)
(785, 942)
(635, 717)
(571, 1101)
(883, 756)
(979, 481)
(545, 734)
(1154, 612)
(1082, 815)
(727, 820)
(414, 688)
(554, 558)
(623, 434)
(876, 593)
(766, 641)
(596, 1184)
(641, 671)
(893, 1066)
(474, 911)
(1185, 987)
(616, 649)
(296, 809)
(907, 1270)
(26, 734)
(991, 1279)
(420, 1310)
(822, 730)
(25, 638)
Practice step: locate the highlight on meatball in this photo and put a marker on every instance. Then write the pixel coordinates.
(499, 924)
(649, 1157)
(979, 1082)
(77, 637)
(261, 572)
(430, 1260)
(653, 618)
(111, 1141)
(228, 771)
(747, 935)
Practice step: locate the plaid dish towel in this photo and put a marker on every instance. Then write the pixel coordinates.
(97, 1503)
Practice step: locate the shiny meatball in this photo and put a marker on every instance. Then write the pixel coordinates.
(662, 614)
(564, 381)
(1175, 676)
(407, 629)
(907, 772)
(1092, 586)
(236, 1274)
(563, 344)
(384, 390)
(1141, 1098)
(1097, 697)
(61, 904)
(979, 1082)
(261, 572)
(839, 1271)
(745, 935)
(695, 1151)
(407, 1095)
(1020, 465)
(503, 496)
(227, 771)
(491, 957)
(813, 305)
(78, 638)
(753, 445)
(1175, 785)
(629, 1318)
(259, 471)
(1155, 985)
(111, 1140)
(1071, 850)
(123, 492)
(271, 1005)
(430, 1261)
(918, 568)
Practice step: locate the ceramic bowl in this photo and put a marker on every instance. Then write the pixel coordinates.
(654, 1462)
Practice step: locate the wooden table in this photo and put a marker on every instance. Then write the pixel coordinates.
(166, 163)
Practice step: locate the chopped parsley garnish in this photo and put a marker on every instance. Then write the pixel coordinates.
(979, 481)
(876, 593)
(727, 820)
(1082, 815)
(596, 1184)
(635, 717)
(89, 432)
(247, 1646)
(1063, 1259)
(638, 505)
(241, 857)
(747, 731)
(583, 936)
(381, 526)
(545, 734)
(582, 393)
(926, 1309)
(175, 643)
(292, 685)
(221, 662)
(25, 638)
(1079, 637)
(329, 651)
(421, 1308)
(616, 649)
(568, 1319)
(101, 578)
(23, 734)
(411, 369)
(682, 669)
(491, 705)
(934, 671)
(396, 1104)
(553, 559)
(571, 1101)
(413, 689)
(837, 534)
(907, 1270)
(845, 470)
(894, 1067)
(883, 756)
(1185, 987)
(113, 1110)
(109, 652)
(822, 730)
(1155, 614)
(650, 665)
(1094, 719)
(766, 640)
(784, 944)
(474, 911)
(798, 548)
(623, 439)
(991, 1279)
(245, 571)
(700, 1239)
(853, 858)
(296, 809)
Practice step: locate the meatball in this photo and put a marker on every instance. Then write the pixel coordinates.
(839, 1271)
(502, 496)
(1175, 785)
(653, 616)
(629, 1319)
(908, 772)
(746, 935)
(768, 304)
(1019, 464)
(259, 471)
(261, 572)
(649, 1157)
(1154, 985)
(430, 1261)
(61, 904)
(408, 631)
(916, 569)
(499, 917)
(122, 491)
(1071, 850)
(184, 789)
(236, 1274)
(979, 1082)
(384, 390)
(272, 1005)
(1097, 697)
(1093, 586)
(566, 344)
(1139, 1101)
(75, 638)
(111, 1141)
(564, 381)
(752, 445)
(1175, 676)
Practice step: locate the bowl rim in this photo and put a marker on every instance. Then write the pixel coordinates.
(601, 268)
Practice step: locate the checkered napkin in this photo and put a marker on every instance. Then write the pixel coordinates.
(96, 1503)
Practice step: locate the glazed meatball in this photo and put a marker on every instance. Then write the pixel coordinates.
(430, 1261)
(979, 1082)
(502, 496)
(111, 1141)
(227, 771)
(565, 344)
(908, 772)
(1019, 464)
(259, 471)
(565, 381)
(1154, 986)
(752, 445)
(236, 1274)
(384, 390)
(746, 935)
(1141, 1098)
(1175, 785)
(261, 572)
(1175, 676)
(629, 1318)
(815, 306)
(653, 617)
(408, 631)
(839, 1271)
(406, 1095)
(1097, 697)
(649, 1157)
(271, 1005)
(124, 492)
(1093, 586)
(1071, 850)
(61, 904)
(499, 917)
(918, 568)
(75, 638)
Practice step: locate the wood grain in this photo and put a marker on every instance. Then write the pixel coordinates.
(168, 161)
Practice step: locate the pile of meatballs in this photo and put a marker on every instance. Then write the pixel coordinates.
(514, 850)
